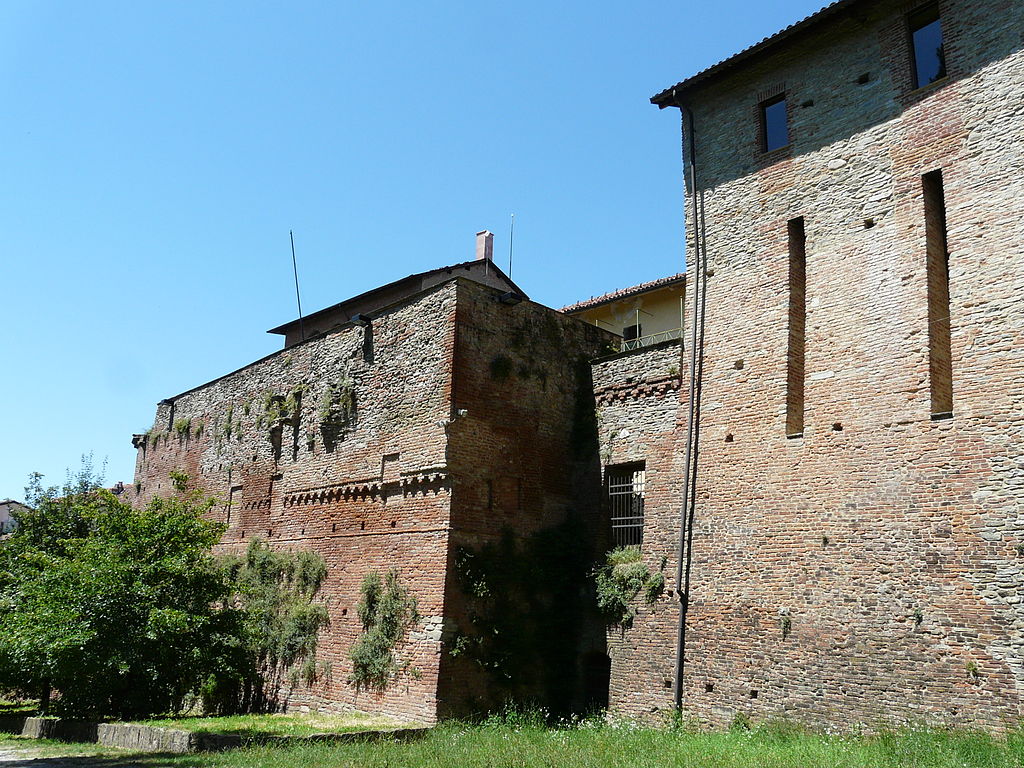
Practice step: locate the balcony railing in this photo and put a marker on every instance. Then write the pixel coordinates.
(651, 339)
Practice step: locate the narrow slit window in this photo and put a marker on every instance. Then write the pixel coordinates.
(797, 324)
(774, 129)
(940, 365)
(926, 45)
(626, 489)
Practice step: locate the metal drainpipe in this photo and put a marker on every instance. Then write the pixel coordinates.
(686, 515)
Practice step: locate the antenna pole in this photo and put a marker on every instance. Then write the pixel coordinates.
(295, 271)
(511, 237)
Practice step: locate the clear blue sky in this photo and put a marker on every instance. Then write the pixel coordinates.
(154, 156)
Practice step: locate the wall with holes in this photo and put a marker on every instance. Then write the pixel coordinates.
(869, 569)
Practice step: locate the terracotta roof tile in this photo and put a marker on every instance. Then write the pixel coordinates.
(624, 293)
(663, 99)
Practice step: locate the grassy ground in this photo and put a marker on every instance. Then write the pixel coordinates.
(526, 745)
(291, 724)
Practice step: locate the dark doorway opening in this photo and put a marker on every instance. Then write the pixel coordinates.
(597, 673)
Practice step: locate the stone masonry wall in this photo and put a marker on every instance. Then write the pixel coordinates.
(370, 491)
(523, 457)
(872, 569)
(640, 419)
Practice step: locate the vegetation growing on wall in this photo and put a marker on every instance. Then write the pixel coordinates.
(526, 606)
(386, 611)
(620, 580)
(275, 592)
(183, 428)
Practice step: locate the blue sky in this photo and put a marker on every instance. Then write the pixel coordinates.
(155, 155)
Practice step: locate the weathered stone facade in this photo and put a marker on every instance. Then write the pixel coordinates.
(376, 446)
(869, 568)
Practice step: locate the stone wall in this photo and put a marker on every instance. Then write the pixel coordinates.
(640, 419)
(367, 487)
(870, 569)
(524, 461)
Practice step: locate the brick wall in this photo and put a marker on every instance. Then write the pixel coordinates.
(376, 497)
(523, 456)
(471, 424)
(870, 569)
(640, 418)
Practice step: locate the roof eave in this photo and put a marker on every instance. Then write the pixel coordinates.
(670, 97)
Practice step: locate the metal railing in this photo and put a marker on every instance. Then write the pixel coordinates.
(651, 339)
(626, 486)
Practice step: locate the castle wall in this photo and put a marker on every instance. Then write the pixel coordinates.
(869, 570)
(641, 419)
(524, 462)
(369, 490)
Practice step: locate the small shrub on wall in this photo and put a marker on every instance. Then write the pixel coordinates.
(620, 580)
(386, 611)
(275, 593)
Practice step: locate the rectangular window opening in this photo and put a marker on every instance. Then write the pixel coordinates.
(797, 324)
(631, 332)
(926, 45)
(626, 485)
(774, 127)
(940, 358)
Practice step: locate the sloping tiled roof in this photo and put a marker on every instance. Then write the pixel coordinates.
(664, 99)
(624, 293)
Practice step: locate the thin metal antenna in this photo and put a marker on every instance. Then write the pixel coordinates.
(295, 271)
(511, 237)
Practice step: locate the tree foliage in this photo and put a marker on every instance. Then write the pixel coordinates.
(114, 607)
(126, 612)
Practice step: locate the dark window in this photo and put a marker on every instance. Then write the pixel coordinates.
(926, 42)
(631, 332)
(797, 323)
(774, 131)
(626, 501)
(940, 358)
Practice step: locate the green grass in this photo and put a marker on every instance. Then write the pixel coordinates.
(291, 724)
(593, 745)
(27, 708)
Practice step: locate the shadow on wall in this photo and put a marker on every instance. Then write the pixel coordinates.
(529, 606)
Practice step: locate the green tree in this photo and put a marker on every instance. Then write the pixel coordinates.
(123, 611)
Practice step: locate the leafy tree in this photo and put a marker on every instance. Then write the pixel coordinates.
(121, 610)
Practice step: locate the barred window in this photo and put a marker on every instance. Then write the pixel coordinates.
(625, 484)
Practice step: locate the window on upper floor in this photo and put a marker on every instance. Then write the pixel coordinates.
(626, 485)
(926, 45)
(631, 332)
(774, 128)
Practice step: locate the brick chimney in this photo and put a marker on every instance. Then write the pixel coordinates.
(485, 245)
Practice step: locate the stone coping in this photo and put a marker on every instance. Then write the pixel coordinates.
(151, 738)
